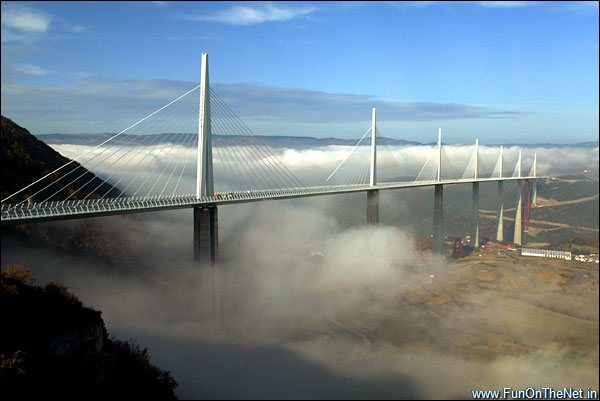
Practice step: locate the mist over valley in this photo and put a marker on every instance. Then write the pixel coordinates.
(308, 301)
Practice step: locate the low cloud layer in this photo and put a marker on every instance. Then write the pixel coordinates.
(171, 169)
(306, 308)
(306, 301)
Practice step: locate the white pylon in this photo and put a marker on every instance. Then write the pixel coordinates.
(501, 159)
(534, 186)
(476, 172)
(204, 168)
(439, 161)
(373, 180)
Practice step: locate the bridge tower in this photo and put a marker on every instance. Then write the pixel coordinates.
(475, 202)
(500, 205)
(534, 185)
(373, 194)
(438, 203)
(526, 204)
(518, 236)
(205, 217)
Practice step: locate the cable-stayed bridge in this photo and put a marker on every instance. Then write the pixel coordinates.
(195, 152)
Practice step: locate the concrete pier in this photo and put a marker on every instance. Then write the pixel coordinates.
(206, 234)
(437, 244)
(518, 236)
(475, 216)
(500, 213)
(373, 207)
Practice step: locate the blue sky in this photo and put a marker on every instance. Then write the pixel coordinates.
(520, 72)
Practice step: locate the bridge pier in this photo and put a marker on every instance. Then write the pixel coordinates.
(534, 192)
(518, 236)
(500, 213)
(373, 207)
(475, 216)
(206, 234)
(437, 244)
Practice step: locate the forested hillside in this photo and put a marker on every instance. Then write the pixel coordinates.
(52, 346)
(26, 159)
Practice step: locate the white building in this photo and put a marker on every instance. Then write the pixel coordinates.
(546, 253)
(592, 258)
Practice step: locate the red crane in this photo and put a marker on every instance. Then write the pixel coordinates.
(457, 248)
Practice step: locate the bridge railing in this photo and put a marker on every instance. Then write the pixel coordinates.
(91, 206)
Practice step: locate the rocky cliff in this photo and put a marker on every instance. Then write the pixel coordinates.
(53, 346)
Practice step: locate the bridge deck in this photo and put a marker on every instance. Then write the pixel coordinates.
(76, 209)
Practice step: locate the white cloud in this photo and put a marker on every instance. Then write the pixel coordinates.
(30, 69)
(25, 24)
(419, 4)
(405, 5)
(77, 28)
(99, 105)
(9, 35)
(24, 19)
(250, 15)
(505, 4)
(109, 104)
(302, 105)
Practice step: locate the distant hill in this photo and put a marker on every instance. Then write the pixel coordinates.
(276, 141)
(26, 159)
